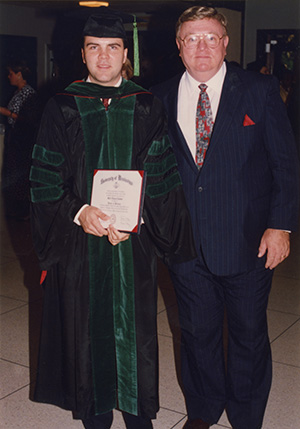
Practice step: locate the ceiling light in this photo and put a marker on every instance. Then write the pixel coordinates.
(93, 3)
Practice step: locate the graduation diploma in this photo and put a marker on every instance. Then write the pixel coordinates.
(120, 195)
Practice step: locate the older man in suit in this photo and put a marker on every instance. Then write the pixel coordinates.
(238, 164)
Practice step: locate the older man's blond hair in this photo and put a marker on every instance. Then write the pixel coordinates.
(201, 12)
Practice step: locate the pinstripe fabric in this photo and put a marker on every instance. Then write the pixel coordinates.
(249, 182)
(208, 390)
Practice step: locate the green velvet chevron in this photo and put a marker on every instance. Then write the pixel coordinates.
(45, 193)
(41, 175)
(52, 191)
(47, 156)
(161, 168)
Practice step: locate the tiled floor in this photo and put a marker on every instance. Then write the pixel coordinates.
(20, 316)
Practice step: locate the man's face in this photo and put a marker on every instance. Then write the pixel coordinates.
(202, 62)
(104, 58)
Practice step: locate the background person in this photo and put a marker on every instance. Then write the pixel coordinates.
(241, 183)
(22, 123)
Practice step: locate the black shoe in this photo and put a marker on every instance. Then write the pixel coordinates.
(136, 422)
(101, 421)
(196, 424)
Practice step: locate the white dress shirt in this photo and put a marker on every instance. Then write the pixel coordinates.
(188, 95)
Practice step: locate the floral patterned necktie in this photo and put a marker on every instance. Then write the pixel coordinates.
(105, 102)
(204, 125)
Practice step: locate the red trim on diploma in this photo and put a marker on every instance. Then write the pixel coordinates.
(136, 228)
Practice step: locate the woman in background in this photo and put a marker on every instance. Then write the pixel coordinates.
(22, 122)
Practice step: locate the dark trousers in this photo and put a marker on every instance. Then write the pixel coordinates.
(104, 421)
(242, 384)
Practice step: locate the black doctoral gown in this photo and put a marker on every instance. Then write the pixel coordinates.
(98, 347)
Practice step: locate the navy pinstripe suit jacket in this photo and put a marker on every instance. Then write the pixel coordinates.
(250, 177)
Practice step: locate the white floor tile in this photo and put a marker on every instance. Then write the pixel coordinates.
(168, 324)
(118, 422)
(279, 322)
(286, 349)
(13, 377)
(170, 394)
(18, 412)
(283, 409)
(8, 304)
(285, 295)
(223, 421)
(15, 335)
(20, 282)
(167, 419)
(12, 281)
(166, 299)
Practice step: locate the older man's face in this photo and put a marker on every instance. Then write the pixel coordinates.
(202, 61)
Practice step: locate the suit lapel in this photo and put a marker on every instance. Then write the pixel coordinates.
(229, 101)
(174, 130)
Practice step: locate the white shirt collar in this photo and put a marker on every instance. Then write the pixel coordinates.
(117, 84)
(215, 83)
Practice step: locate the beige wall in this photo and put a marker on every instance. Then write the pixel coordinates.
(234, 31)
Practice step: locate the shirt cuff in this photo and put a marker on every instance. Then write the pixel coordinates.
(76, 218)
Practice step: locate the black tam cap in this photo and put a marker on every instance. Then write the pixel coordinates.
(104, 25)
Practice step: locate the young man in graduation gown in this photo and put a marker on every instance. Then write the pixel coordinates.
(98, 348)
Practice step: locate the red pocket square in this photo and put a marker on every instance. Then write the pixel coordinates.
(248, 121)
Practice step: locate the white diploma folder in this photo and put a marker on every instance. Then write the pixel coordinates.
(120, 195)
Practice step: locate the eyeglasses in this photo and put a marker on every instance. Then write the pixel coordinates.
(212, 40)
